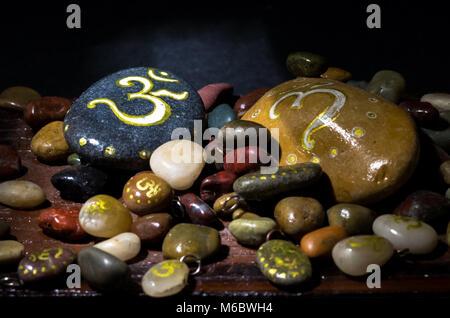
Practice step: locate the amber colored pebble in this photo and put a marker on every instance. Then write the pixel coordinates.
(62, 222)
(40, 112)
(147, 193)
(320, 242)
(336, 73)
(49, 144)
(245, 102)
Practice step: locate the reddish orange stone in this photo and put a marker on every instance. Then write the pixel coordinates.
(62, 223)
(320, 242)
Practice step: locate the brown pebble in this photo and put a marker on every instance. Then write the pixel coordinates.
(17, 97)
(49, 143)
(215, 94)
(245, 102)
(152, 228)
(40, 112)
(320, 242)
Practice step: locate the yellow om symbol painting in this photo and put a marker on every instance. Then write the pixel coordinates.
(151, 186)
(161, 111)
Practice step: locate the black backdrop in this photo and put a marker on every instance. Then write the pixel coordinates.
(242, 42)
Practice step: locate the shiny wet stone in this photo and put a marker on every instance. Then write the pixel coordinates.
(166, 278)
(306, 64)
(152, 228)
(251, 231)
(354, 218)
(62, 223)
(49, 144)
(387, 84)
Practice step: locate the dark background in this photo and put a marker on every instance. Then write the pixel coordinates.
(242, 42)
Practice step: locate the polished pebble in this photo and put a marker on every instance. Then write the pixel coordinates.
(49, 144)
(74, 160)
(242, 214)
(422, 112)
(439, 100)
(356, 219)
(406, 233)
(215, 94)
(191, 239)
(102, 270)
(62, 222)
(336, 73)
(21, 194)
(152, 228)
(104, 216)
(214, 186)
(251, 232)
(4, 229)
(306, 64)
(45, 264)
(147, 193)
(238, 131)
(224, 206)
(10, 163)
(178, 162)
(221, 115)
(17, 97)
(353, 254)
(79, 183)
(283, 263)
(11, 252)
(445, 171)
(297, 216)
(198, 211)
(245, 159)
(124, 246)
(245, 102)
(40, 112)
(387, 84)
(320, 242)
(166, 278)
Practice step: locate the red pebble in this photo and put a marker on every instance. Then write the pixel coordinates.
(245, 102)
(198, 211)
(242, 160)
(421, 111)
(40, 112)
(62, 223)
(215, 94)
(217, 184)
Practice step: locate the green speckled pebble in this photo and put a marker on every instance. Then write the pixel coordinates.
(257, 186)
(356, 219)
(306, 64)
(74, 160)
(251, 232)
(283, 263)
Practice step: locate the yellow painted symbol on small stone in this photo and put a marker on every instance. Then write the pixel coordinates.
(315, 159)
(358, 132)
(333, 152)
(150, 186)
(167, 269)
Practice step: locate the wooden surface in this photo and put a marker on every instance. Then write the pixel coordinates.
(232, 273)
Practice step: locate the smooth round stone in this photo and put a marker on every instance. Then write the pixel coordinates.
(215, 94)
(387, 84)
(4, 229)
(17, 97)
(426, 206)
(152, 228)
(166, 278)
(336, 73)
(124, 246)
(352, 255)
(283, 263)
(11, 252)
(198, 211)
(45, 264)
(62, 223)
(355, 219)
(439, 100)
(259, 186)
(320, 242)
(445, 171)
(102, 270)
(297, 216)
(104, 216)
(421, 111)
(306, 64)
(223, 206)
(79, 183)
(406, 233)
(338, 126)
(21, 194)
(243, 160)
(440, 135)
(40, 112)
(238, 132)
(359, 84)
(10, 163)
(178, 162)
(147, 193)
(245, 102)
(142, 106)
(216, 185)
(74, 160)
(221, 115)
(191, 239)
(49, 143)
(251, 232)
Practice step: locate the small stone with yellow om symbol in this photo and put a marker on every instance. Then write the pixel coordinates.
(166, 278)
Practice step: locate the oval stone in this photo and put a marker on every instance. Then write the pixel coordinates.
(62, 222)
(10, 163)
(102, 270)
(152, 228)
(17, 97)
(124, 246)
(40, 112)
(178, 162)
(259, 186)
(439, 100)
(142, 106)
(306, 64)
(79, 183)
(421, 111)
(297, 216)
(166, 278)
(336, 73)
(104, 216)
(283, 263)
(352, 255)
(338, 126)
(355, 219)
(146, 193)
(245, 102)
(406, 233)
(49, 144)
(45, 264)
(191, 239)
(251, 232)
(198, 211)
(21, 194)
(216, 185)
(221, 115)
(11, 252)
(387, 84)
(320, 242)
